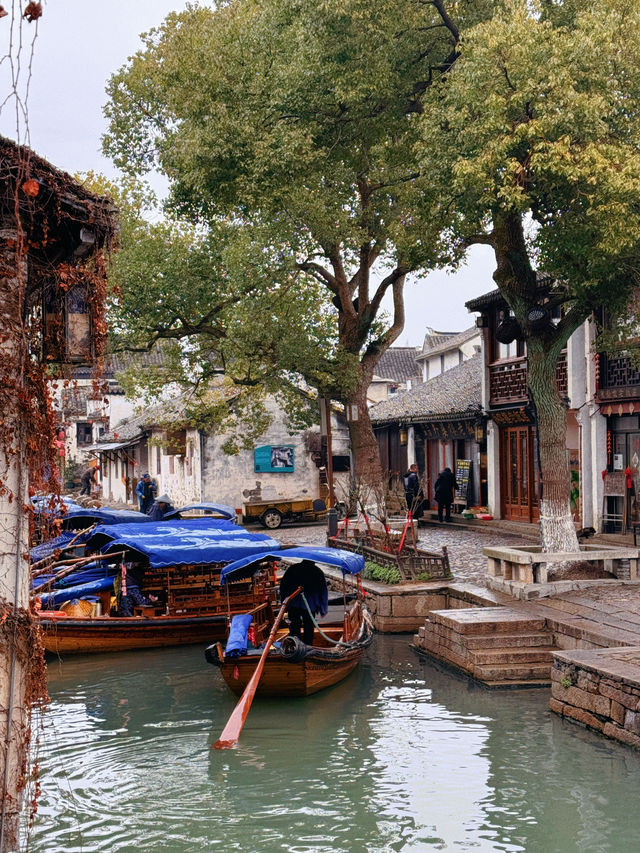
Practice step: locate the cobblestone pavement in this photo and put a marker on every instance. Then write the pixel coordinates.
(464, 545)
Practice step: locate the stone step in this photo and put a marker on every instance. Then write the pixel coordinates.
(440, 652)
(483, 657)
(502, 673)
(487, 620)
(509, 641)
(528, 639)
(507, 675)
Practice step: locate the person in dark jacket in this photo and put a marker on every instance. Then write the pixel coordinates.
(413, 491)
(146, 491)
(444, 489)
(127, 588)
(160, 508)
(88, 480)
(314, 587)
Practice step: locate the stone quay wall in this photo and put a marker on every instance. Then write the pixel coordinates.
(599, 689)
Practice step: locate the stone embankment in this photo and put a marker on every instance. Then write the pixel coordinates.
(599, 689)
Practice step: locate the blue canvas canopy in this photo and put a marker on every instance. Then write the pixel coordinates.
(199, 541)
(57, 596)
(214, 509)
(349, 562)
(45, 549)
(103, 515)
(105, 534)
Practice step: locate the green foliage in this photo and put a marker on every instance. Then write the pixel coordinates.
(294, 125)
(538, 123)
(382, 574)
(424, 576)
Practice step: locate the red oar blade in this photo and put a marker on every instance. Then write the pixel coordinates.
(231, 732)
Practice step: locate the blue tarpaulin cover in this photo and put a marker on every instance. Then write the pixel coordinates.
(348, 561)
(238, 640)
(51, 600)
(197, 541)
(105, 515)
(215, 509)
(45, 549)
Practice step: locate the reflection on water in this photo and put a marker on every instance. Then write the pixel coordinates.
(400, 757)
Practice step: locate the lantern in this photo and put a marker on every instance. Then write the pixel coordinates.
(68, 331)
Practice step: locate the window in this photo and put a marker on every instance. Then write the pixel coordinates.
(158, 460)
(84, 433)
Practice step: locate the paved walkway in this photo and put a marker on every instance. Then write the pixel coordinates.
(464, 546)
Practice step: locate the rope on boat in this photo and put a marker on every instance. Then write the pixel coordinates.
(320, 631)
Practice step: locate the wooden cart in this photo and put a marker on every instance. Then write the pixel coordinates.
(271, 514)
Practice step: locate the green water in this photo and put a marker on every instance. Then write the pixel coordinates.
(400, 757)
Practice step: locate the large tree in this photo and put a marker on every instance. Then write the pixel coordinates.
(534, 137)
(227, 338)
(298, 121)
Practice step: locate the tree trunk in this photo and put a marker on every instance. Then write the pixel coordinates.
(364, 445)
(557, 530)
(15, 619)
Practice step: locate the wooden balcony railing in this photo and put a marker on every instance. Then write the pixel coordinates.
(508, 380)
(618, 379)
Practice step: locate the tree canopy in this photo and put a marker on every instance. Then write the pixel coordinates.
(301, 121)
(533, 138)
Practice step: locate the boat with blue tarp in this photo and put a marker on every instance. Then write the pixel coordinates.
(328, 650)
(168, 576)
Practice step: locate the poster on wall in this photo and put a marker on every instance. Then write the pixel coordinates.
(274, 459)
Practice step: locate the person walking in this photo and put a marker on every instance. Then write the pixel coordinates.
(444, 490)
(146, 490)
(413, 491)
(88, 480)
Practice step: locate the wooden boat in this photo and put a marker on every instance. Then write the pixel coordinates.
(182, 564)
(293, 668)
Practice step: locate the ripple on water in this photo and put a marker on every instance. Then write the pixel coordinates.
(400, 757)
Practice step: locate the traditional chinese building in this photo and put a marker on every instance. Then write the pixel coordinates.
(437, 424)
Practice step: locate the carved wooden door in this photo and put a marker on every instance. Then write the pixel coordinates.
(518, 483)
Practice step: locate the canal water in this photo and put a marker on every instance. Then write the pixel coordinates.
(402, 756)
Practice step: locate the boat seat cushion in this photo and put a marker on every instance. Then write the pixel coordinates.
(238, 640)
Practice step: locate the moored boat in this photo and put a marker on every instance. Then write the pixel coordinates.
(291, 666)
(182, 600)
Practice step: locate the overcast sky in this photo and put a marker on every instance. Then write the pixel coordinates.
(79, 44)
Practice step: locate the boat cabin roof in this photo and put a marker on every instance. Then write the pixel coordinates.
(205, 510)
(197, 542)
(244, 567)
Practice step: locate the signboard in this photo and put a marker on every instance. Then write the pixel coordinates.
(463, 472)
(274, 459)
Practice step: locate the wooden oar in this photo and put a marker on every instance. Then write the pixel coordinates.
(231, 732)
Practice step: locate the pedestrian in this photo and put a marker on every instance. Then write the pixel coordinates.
(146, 490)
(413, 491)
(88, 480)
(314, 588)
(444, 490)
(160, 508)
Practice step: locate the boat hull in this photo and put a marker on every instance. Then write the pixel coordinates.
(82, 635)
(284, 678)
(304, 669)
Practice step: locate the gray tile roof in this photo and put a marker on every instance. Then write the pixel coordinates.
(117, 362)
(494, 297)
(435, 342)
(398, 364)
(455, 392)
